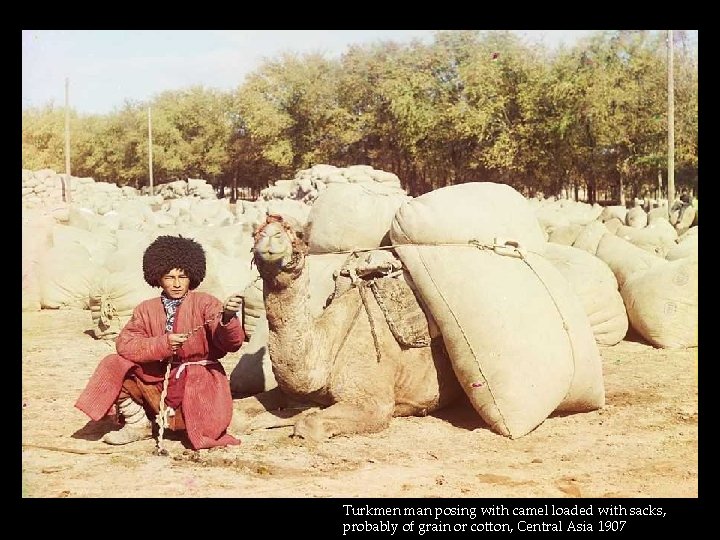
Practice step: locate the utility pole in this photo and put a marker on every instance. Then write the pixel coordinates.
(671, 123)
(150, 155)
(67, 194)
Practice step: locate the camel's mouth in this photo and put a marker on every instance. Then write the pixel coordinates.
(279, 258)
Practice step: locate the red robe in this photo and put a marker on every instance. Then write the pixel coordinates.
(142, 345)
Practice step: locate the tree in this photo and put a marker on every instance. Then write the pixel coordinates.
(290, 109)
(191, 134)
(43, 142)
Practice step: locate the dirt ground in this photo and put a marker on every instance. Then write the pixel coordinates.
(643, 443)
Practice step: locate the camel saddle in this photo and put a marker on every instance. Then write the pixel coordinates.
(381, 271)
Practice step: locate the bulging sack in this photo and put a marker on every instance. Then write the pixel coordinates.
(518, 338)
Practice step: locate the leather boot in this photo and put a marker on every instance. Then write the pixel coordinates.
(137, 425)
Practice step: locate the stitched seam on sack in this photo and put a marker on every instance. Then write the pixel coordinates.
(462, 331)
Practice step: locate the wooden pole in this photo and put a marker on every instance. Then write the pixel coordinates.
(150, 152)
(67, 192)
(671, 123)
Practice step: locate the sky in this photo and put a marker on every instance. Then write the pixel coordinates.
(107, 67)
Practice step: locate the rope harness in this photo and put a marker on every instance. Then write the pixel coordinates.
(500, 246)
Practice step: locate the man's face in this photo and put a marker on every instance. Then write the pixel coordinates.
(175, 283)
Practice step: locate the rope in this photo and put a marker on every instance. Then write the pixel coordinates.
(162, 416)
(161, 419)
(107, 310)
(362, 287)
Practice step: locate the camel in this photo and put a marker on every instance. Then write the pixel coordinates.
(353, 370)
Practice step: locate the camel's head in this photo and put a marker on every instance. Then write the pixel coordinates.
(279, 246)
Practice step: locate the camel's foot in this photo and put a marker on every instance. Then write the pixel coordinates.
(311, 427)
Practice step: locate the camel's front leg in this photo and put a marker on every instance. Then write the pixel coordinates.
(343, 418)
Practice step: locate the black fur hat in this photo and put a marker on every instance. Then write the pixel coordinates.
(168, 252)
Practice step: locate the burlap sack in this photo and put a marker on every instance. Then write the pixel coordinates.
(518, 338)
(662, 303)
(596, 286)
(625, 259)
(352, 216)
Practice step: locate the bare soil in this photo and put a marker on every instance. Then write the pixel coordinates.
(643, 443)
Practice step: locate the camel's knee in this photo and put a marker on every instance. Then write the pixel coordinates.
(343, 419)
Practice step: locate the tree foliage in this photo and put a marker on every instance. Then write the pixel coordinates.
(470, 106)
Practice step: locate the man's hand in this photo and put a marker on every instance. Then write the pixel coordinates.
(232, 305)
(176, 341)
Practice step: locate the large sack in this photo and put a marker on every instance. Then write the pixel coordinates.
(551, 217)
(636, 217)
(565, 236)
(226, 275)
(687, 246)
(36, 241)
(231, 240)
(99, 244)
(656, 238)
(579, 213)
(82, 218)
(625, 259)
(479, 211)
(113, 299)
(596, 286)
(662, 303)
(289, 207)
(659, 213)
(67, 275)
(609, 212)
(126, 259)
(517, 336)
(613, 224)
(519, 340)
(352, 216)
(589, 238)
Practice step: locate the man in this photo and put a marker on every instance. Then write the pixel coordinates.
(188, 329)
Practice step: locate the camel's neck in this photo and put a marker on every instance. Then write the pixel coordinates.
(295, 343)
